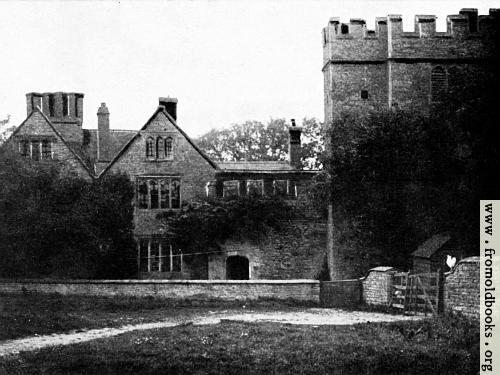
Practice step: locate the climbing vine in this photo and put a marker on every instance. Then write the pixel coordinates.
(202, 225)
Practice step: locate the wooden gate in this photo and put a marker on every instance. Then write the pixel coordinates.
(417, 293)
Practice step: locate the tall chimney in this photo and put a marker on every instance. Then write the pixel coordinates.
(170, 105)
(103, 152)
(33, 100)
(294, 146)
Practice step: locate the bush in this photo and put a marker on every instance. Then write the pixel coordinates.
(59, 225)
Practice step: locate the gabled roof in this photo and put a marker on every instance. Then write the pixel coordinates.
(433, 244)
(56, 132)
(160, 109)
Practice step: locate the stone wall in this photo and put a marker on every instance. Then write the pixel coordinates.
(377, 286)
(461, 288)
(299, 290)
(341, 293)
(296, 251)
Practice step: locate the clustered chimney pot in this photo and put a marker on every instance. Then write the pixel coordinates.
(103, 141)
(170, 105)
(294, 145)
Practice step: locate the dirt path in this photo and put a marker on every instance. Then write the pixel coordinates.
(311, 316)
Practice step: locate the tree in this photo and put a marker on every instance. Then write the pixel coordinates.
(61, 225)
(253, 140)
(399, 177)
(5, 129)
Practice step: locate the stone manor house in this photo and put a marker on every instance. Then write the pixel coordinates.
(168, 169)
(364, 70)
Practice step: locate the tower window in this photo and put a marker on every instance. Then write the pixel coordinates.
(438, 84)
(364, 94)
(344, 29)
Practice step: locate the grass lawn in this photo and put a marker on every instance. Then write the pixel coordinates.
(30, 314)
(448, 345)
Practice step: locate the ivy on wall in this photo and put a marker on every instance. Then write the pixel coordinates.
(200, 226)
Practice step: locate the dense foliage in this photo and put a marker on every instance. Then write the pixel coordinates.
(253, 140)
(399, 177)
(59, 225)
(202, 225)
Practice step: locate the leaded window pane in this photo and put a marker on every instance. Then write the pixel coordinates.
(149, 148)
(231, 189)
(35, 150)
(176, 194)
(254, 187)
(46, 149)
(169, 148)
(153, 193)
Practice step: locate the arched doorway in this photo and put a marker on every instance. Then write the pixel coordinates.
(237, 268)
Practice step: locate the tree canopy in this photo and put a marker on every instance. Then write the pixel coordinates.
(254, 140)
(63, 226)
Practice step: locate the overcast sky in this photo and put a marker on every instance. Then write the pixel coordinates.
(226, 62)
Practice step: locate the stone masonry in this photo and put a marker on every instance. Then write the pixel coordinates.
(461, 288)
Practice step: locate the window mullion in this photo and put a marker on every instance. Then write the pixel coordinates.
(170, 195)
(149, 193)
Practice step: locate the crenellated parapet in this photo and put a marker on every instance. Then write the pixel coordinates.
(468, 35)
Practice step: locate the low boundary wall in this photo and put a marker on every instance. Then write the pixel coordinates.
(341, 293)
(461, 288)
(227, 290)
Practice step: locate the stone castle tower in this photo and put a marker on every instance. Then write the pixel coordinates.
(369, 70)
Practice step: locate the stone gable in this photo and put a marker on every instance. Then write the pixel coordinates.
(37, 127)
(193, 170)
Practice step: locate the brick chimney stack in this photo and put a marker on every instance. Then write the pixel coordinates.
(294, 146)
(170, 105)
(103, 152)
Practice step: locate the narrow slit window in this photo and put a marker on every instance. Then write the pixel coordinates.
(438, 84)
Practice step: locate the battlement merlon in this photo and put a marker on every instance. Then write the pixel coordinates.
(466, 23)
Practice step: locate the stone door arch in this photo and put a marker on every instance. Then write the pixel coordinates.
(237, 268)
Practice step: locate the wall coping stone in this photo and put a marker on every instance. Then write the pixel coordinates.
(474, 259)
(132, 282)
